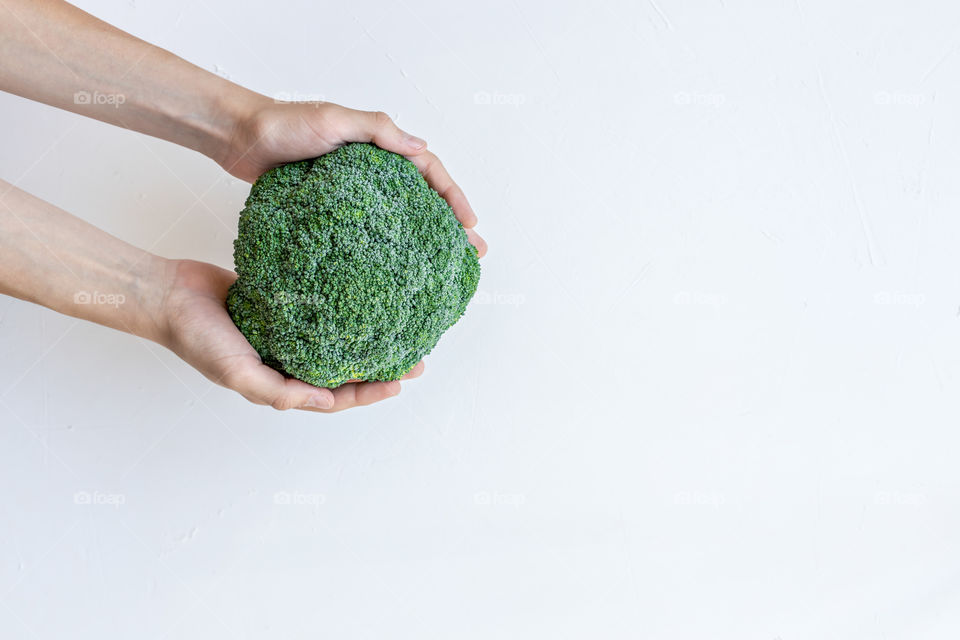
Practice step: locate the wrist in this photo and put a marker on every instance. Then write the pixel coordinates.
(153, 284)
(187, 105)
(232, 114)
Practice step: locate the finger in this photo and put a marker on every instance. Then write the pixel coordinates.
(415, 372)
(359, 394)
(378, 128)
(261, 384)
(438, 178)
(478, 242)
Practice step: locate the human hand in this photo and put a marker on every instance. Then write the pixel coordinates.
(200, 331)
(245, 132)
(269, 133)
(54, 259)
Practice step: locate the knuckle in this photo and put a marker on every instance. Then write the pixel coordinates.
(282, 402)
(430, 162)
(261, 126)
(381, 120)
(253, 399)
(233, 380)
(329, 108)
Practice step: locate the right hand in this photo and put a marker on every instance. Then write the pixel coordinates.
(268, 133)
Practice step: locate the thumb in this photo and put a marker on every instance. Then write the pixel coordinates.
(378, 128)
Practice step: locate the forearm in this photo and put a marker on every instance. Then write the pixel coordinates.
(54, 259)
(53, 52)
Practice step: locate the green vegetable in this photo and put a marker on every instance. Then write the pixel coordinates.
(349, 267)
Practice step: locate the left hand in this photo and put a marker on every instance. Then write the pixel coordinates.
(272, 133)
(196, 326)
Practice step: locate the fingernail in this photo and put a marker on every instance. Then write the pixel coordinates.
(319, 402)
(414, 142)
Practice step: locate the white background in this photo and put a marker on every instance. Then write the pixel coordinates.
(708, 388)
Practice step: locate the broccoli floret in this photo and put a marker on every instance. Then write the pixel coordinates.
(349, 267)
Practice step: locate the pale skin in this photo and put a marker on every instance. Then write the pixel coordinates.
(49, 52)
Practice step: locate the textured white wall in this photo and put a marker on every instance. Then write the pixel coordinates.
(712, 392)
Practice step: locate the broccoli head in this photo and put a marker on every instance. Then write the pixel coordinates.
(349, 267)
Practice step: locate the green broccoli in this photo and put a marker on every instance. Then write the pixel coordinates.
(349, 267)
